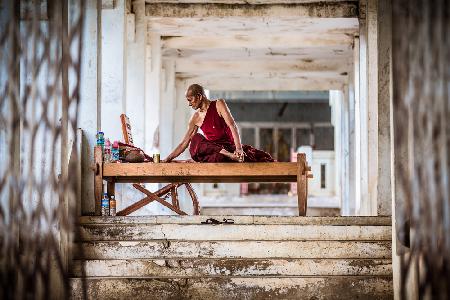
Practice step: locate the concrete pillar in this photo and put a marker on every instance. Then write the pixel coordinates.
(167, 103)
(384, 197)
(379, 93)
(136, 90)
(351, 146)
(357, 116)
(136, 75)
(345, 153)
(89, 107)
(182, 114)
(113, 86)
(372, 105)
(113, 74)
(153, 94)
(363, 113)
(336, 117)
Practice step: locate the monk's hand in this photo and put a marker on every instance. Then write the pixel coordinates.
(240, 154)
(166, 160)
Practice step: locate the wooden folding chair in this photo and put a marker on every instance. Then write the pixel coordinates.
(160, 195)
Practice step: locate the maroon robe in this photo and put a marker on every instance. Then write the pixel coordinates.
(217, 136)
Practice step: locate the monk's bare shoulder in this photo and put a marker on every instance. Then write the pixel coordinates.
(221, 106)
(221, 102)
(196, 119)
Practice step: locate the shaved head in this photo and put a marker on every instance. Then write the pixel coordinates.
(195, 89)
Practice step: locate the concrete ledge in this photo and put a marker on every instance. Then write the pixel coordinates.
(337, 287)
(231, 267)
(233, 249)
(243, 232)
(269, 211)
(219, 10)
(337, 221)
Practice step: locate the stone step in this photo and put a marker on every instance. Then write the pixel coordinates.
(336, 221)
(231, 267)
(268, 211)
(232, 249)
(260, 232)
(328, 287)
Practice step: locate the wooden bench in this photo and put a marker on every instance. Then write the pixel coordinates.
(182, 173)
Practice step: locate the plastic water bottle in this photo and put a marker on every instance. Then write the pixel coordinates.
(101, 139)
(112, 206)
(105, 205)
(107, 151)
(115, 151)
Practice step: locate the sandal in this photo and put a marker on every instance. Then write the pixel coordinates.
(211, 221)
(228, 221)
(216, 222)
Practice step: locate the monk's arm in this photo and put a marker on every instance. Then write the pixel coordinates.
(225, 113)
(191, 131)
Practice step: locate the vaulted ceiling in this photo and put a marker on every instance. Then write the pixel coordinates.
(257, 45)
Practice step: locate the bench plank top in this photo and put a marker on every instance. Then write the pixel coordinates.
(201, 172)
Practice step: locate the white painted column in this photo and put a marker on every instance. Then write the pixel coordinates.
(135, 88)
(182, 115)
(136, 43)
(336, 116)
(384, 79)
(378, 109)
(152, 111)
(372, 124)
(351, 146)
(357, 114)
(167, 102)
(113, 75)
(363, 112)
(89, 107)
(345, 153)
(153, 93)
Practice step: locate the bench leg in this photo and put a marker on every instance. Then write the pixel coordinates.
(174, 194)
(143, 202)
(301, 184)
(153, 197)
(98, 179)
(111, 188)
(194, 199)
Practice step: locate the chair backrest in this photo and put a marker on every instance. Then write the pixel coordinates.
(126, 129)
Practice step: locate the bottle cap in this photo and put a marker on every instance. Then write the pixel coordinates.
(107, 143)
(105, 194)
(116, 144)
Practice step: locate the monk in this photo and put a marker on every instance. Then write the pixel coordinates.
(220, 141)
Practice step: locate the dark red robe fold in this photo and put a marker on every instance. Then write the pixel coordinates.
(217, 136)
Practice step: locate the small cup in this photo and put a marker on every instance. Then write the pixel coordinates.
(156, 158)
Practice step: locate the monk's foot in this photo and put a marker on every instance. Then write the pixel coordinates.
(230, 155)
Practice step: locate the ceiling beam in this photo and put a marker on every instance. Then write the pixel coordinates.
(264, 75)
(264, 84)
(272, 54)
(240, 42)
(248, 66)
(206, 10)
(232, 26)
